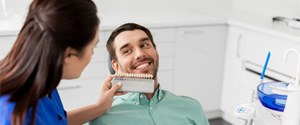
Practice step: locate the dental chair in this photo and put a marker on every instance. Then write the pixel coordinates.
(111, 70)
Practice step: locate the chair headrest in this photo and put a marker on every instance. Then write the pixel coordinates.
(111, 70)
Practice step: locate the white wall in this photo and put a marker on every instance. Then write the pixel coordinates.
(18, 6)
(213, 7)
(140, 5)
(15, 8)
(269, 8)
(288, 8)
(149, 5)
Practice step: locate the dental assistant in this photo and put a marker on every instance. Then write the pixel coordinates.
(56, 42)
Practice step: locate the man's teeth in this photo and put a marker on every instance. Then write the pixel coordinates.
(142, 66)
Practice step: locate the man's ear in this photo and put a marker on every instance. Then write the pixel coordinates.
(115, 65)
(70, 53)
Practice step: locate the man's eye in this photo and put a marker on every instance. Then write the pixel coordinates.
(144, 45)
(126, 51)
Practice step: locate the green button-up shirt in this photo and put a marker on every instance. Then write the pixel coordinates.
(164, 108)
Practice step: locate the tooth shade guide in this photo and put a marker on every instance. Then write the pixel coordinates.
(133, 75)
(132, 82)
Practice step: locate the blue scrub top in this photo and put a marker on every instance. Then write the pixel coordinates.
(50, 111)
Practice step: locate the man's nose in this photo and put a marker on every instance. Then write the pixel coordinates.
(139, 54)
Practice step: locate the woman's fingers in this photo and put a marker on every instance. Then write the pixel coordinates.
(115, 88)
(107, 83)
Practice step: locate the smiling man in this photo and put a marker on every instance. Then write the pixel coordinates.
(132, 50)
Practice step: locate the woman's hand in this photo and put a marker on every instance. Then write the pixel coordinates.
(87, 113)
(107, 93)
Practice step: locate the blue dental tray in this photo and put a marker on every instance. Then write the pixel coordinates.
(269, 99)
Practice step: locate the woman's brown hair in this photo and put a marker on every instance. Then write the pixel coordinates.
(33, 67)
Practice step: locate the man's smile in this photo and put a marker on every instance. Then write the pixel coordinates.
(143, 65)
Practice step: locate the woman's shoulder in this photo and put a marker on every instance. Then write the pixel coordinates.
(5, 103)
(6, 109)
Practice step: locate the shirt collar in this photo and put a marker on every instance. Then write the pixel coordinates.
(157, 97)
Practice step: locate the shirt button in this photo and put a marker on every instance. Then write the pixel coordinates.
(159, 97)
(151, 108)
(141, 96)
